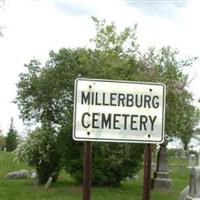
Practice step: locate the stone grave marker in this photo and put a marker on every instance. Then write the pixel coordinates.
(192, 160)
(161, 181)
(194, 188)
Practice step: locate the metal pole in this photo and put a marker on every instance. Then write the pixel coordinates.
(147, 172)
(87, 170)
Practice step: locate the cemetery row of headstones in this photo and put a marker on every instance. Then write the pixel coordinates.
(192, 192)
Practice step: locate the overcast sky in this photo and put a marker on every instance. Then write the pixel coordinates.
(32, 28)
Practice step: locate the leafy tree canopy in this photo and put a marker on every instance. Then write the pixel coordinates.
(45, 93)
(2, 141)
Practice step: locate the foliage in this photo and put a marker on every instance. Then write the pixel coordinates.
(167, 67)
(188, 118)
(40, 150)
(2, 141)
(45, 94)
(111, 163)
(11, 138)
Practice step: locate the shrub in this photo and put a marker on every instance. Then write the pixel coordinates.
(111, 162)
(40, 151)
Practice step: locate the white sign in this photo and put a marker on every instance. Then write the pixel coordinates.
(118, 111)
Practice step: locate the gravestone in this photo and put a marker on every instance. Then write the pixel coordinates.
(34, 178)
(161, 181)
(184, 194)
(192, 160)
(183, 154)
(177, 154)
(194, 190)
(198, 159)
(21, 174)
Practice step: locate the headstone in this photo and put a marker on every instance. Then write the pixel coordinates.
(183, 154)
(177, 154)
(21, 174)
(161, 181)
(198, 159)
(184, 194)
(34, 178)
(192, 160)
(162, 160)
(194, 191)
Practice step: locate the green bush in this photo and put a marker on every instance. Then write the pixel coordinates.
(111, 162)
(40, 151)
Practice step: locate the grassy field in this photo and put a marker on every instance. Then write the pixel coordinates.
(66, 189)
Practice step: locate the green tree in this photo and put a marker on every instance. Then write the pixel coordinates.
(11, 138)
(45, 94)
(2, 141)
(168, 68)
(40, 150)
(188, 120)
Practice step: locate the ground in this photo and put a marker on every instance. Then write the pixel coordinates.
(66, 189)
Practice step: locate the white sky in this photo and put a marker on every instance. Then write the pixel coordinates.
(34, 27)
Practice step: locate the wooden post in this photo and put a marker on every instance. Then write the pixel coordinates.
(147, 172)
(87, 170)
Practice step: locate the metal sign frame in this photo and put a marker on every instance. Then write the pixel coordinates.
(90, 82)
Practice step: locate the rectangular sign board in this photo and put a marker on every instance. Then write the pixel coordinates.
(118, 111)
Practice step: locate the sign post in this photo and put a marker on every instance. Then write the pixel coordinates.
(118, 111)
(147, 172)
(87, 170)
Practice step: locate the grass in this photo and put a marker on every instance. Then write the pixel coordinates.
(66, 189)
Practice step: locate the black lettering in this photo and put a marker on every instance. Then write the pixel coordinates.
(152, 121)
(147, 100)
(113, 99)
(154, 102)
(129, 100)
(138, 102)
(83, 120)
(125, 120)
(95, 119)
(106, 121)
(133, 122)
(121, 98)
(85, 99)
(96, 100)
(115, 121)
(143, 122)
(104, 100)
